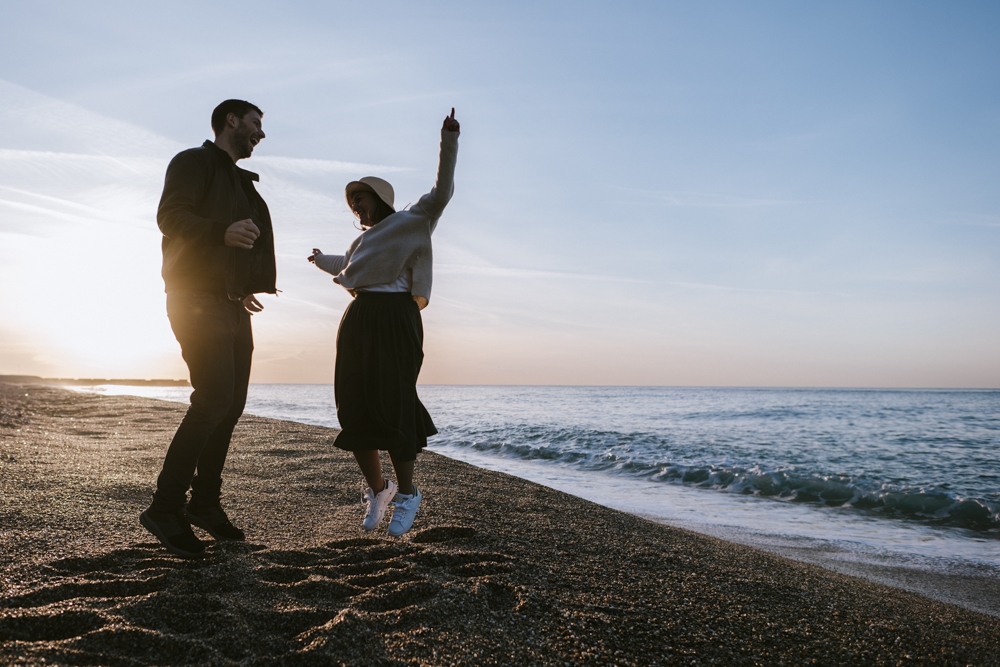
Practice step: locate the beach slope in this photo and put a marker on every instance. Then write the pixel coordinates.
(496, 570)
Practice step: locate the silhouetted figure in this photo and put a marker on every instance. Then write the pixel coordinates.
(380, 341)
(218, 251)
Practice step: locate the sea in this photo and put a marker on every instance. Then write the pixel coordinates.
(897, 486)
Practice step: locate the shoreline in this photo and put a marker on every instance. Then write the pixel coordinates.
(497, 570)
(973, 584)
(913, 557)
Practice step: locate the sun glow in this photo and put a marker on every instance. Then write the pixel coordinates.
(90, 300)
(80, 246)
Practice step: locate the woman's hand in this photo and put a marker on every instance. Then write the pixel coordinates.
(312, 257)
(421, 302)
(450, 123)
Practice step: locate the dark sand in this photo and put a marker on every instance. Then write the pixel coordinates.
(497, 570)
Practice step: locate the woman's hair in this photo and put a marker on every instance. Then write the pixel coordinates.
(382, 211)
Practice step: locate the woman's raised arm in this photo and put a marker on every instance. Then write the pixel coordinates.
(432, 204)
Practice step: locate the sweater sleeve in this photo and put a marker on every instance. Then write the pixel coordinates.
(432, 204)
(422, 275)
(184, 187)
(332, 264)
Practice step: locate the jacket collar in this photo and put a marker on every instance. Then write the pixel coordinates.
(225, 158)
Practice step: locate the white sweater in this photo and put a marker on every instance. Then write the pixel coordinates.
(402, 241)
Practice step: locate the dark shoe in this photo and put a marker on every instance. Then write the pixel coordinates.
(214, 520)
(174, 532)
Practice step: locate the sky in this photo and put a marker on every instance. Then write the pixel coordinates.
(647, 193)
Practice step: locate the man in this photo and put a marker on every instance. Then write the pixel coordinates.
(218, 251)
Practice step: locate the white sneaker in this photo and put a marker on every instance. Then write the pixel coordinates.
(404, 509)
(377, 504)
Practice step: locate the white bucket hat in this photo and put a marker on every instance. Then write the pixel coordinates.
(381, 188)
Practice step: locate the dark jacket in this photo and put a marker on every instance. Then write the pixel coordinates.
(203, 194)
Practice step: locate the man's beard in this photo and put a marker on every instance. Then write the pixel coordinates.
(241, 140)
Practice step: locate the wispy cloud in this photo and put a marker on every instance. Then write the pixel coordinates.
(492, 314)
(66, 210)
(311, 304)
(32, 230)
(402, 100)
(23, 163)
(974, 221)
(790, 141)
(706, 199)
(754, 290)
(43, 122)
(306, 166)
(171, 78)
(507, 272)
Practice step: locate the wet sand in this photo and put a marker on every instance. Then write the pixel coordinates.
(496, 570)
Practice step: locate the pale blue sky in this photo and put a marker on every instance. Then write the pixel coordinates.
(647, 193)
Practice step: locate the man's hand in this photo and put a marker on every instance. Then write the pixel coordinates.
(450, 123)
(312, 257)
(252, 304)
(242, 234)
(421, 302)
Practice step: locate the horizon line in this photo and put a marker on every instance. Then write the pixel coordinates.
(10, 378)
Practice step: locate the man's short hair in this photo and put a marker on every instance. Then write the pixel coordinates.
(239, 107)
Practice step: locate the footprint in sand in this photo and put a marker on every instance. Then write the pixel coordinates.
(136, 606)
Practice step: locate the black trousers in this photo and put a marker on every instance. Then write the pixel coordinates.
(217, 343)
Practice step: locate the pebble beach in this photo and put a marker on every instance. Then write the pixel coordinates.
(496, 570)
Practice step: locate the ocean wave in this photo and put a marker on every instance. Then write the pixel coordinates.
(634, 455)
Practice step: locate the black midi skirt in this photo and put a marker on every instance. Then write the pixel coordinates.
(379, 354)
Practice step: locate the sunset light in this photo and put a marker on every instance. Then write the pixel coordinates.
(538, 333)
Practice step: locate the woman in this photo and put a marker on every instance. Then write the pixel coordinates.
(380, 341)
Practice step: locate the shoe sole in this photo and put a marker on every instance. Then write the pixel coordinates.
(151, 526)
(208, 529)
(400, 534)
